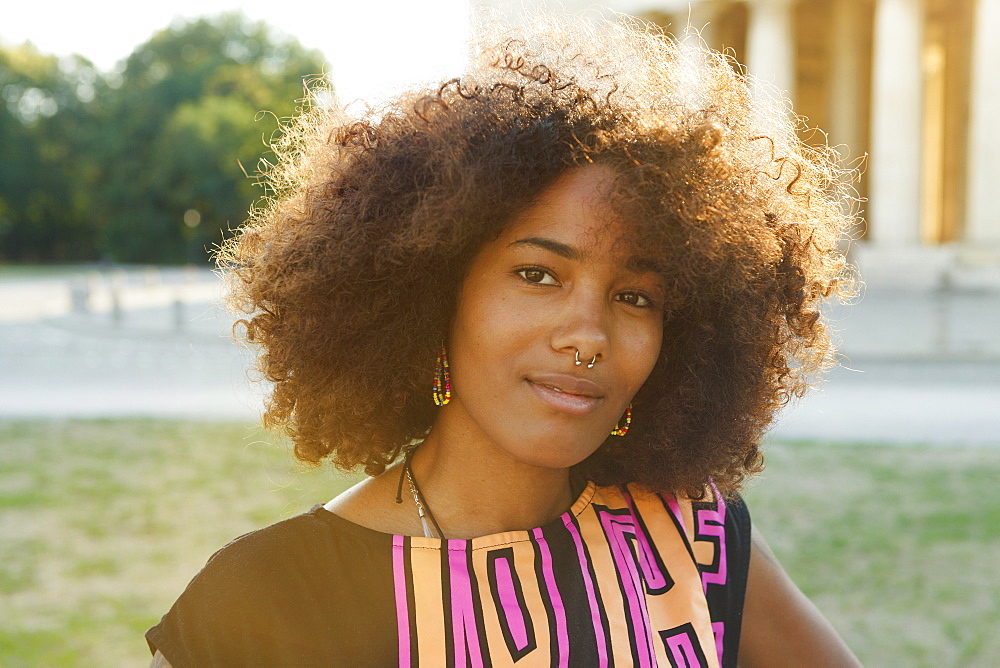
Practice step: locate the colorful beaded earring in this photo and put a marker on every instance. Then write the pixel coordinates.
(442, 379)
(621, 430)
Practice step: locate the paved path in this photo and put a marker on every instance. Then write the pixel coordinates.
(165, 350)
(159, 347)
(926, 401)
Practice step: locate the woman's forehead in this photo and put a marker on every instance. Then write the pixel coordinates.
(574, 205)
(574, 214)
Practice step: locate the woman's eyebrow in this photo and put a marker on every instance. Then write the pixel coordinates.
(643, 265)
(551, 245)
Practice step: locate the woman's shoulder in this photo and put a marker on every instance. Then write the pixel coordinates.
(278, 587)
(305, 539)
(285, 560)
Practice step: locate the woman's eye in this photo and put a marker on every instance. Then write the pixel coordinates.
(635, 299)
(536, 275)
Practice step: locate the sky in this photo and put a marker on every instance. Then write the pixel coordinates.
(399, 41)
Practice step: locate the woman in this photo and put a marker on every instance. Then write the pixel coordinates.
(550, 307)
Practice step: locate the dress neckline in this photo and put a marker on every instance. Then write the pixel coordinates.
(487, 541)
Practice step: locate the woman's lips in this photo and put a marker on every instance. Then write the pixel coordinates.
(567, 394)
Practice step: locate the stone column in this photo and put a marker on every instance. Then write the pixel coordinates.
(982, 226)
(894, 193)
(702, 17)
(770, 44)
(845, 82)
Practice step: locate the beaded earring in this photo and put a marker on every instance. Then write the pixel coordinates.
(621, 430)
(442, 379)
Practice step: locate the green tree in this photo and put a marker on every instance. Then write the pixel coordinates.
(45, 131)
(149, 163)
(181, 130)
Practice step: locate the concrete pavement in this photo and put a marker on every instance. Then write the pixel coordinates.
(920, 367)
(146, 342)
(947, 402)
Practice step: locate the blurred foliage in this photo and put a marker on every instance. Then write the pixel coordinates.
(153, 162)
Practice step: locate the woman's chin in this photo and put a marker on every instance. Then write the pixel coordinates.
(551, 455)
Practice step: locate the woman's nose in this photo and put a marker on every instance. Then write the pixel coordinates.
(580, 329)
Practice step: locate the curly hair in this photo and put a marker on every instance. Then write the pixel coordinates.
(348, 272)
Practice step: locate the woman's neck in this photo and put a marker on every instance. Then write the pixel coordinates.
(474, 489)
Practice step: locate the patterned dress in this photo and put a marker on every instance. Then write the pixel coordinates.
(626, 577)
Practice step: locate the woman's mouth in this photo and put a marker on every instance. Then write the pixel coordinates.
(567, 394)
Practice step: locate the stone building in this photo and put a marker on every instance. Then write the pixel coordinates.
(909, 86)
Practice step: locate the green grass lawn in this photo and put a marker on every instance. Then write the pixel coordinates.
(103, 522)
(899, 546)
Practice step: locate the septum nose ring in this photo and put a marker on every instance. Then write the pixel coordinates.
(578, 361)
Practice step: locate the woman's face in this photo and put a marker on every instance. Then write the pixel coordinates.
(558, 284)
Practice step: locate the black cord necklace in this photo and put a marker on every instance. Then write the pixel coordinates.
(577, 485)
(422, 508)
